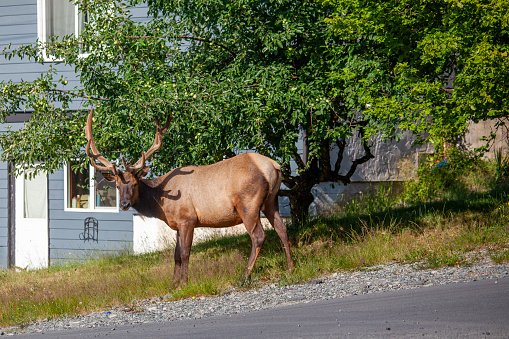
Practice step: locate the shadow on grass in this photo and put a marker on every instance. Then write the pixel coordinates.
(415, 217)
(347, 227)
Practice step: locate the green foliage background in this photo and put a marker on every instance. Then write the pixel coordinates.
(249, 74)
(448, 60)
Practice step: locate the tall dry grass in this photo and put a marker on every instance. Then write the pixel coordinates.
(82, 288)
(369, 231)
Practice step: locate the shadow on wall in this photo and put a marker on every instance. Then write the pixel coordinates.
(476, 131)
(151, 234)
(327, 195)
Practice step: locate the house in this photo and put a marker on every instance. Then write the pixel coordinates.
(67, 215)
(64, 215)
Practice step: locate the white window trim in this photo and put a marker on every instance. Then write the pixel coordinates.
(91, 203)
(41, 28)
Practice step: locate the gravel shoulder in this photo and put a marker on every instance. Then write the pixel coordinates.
(376, 279)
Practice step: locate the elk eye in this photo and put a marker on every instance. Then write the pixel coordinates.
(135, 184)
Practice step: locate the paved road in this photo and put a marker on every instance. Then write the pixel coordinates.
(465, 310)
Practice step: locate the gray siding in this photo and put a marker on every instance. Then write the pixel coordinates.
(3, 202)
(140, 13)
(18, 26)
(115, 229)
(3, 214)
(18, 22)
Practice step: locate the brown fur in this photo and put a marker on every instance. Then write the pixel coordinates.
(223, 194)
(220, 195)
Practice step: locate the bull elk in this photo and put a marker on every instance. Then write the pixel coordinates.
(223, 194)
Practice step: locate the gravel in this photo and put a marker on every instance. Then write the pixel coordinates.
(388, 277)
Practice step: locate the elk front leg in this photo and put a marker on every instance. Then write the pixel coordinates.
(182, 253)
(178, 261)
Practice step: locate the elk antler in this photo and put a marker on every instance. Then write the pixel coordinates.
(95, 155)
(158, 142)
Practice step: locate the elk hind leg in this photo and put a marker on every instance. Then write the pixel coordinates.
(255, 230)
(271, 211)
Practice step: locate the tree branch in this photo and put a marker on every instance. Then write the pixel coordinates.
(341, 145)
(185, 37)
(285, 193)
(298, 160)
(366, 157)
(325, 156)
(77, 95)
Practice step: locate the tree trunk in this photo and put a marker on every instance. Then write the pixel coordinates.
(299, 205)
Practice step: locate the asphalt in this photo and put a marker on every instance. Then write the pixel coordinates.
(477, 309)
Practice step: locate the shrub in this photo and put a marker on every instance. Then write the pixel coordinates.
(449, 174)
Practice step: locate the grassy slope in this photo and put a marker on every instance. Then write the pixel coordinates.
(371, 231)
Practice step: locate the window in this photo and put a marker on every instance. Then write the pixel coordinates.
(34, 193)
(80, 185)
(58, 18)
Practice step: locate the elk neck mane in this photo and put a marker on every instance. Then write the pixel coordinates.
(149, 202)
(154, 192)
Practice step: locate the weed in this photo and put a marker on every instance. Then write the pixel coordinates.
(500, 257)
(501, 165)
(448, 175)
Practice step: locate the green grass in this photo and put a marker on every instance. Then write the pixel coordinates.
(362, 233)
(500, 257)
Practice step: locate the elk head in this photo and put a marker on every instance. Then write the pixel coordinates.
(127, 182)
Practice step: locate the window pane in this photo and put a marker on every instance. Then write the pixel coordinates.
(105, 192)
(79, 188)
(83, 18)
(60, 16)
(35, 196)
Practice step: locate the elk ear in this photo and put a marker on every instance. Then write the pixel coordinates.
(108, 176)
(142, 173)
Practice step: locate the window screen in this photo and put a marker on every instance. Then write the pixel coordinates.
(60, 18)
(105, 192)
(35, 196)
(79, 188)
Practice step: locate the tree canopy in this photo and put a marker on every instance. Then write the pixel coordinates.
(236, 75)
(262, 75)
(448, 60)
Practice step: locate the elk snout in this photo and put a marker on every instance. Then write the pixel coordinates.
(124, 205)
